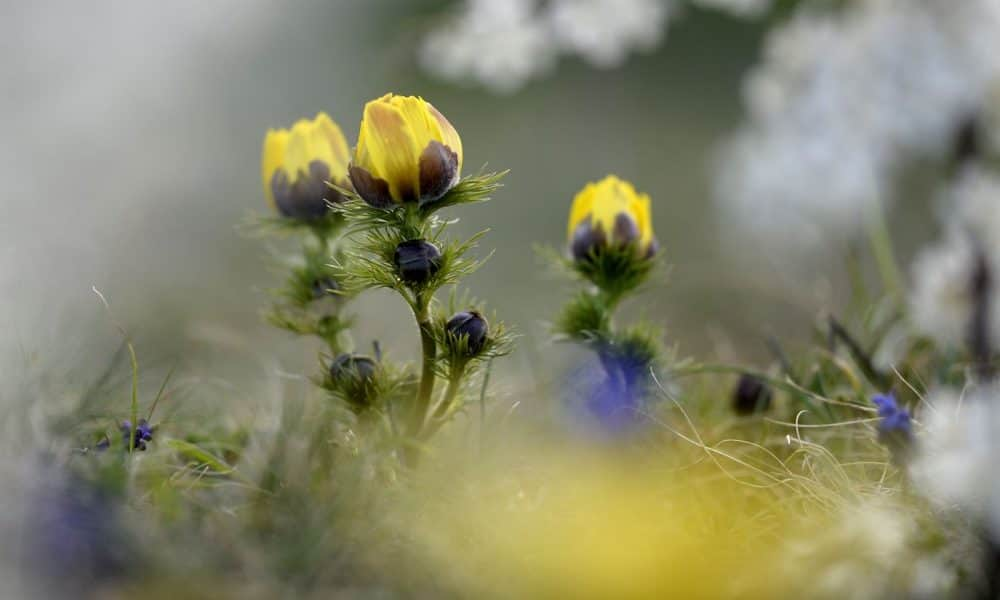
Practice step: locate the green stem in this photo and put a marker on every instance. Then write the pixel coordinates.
(135, 397)
(429, 351)
(885, 258)
(440, 414)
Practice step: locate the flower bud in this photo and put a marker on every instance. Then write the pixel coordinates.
(324, 287)
(473, 326)
(297, 163)
(352, 366)
(416, 260)
(610, 214)
(407, 152)
(751, 396)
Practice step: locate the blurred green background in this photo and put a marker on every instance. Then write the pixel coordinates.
(131, 152)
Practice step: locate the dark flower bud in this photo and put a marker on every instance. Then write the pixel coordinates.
(416, 260)
(472, 325)
(352, 366)
(143, 434)
(751, 396)
(324, 287)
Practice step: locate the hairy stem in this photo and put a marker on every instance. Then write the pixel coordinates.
(429, 351)
(442, 410)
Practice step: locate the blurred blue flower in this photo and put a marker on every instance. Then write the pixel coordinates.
(143, 433)
(894, 418)
(895, 429)
(609, 395)
(76, 541)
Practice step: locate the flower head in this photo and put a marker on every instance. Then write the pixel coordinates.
(893, 417)
(297, 163)
(407, 152)
(610, 213)
(895, 430)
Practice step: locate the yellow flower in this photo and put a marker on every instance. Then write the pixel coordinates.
(610, 213)
(407, 152)
(298, 162)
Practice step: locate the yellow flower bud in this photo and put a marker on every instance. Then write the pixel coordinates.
(610, 213)
(298, 162)
(407, 152)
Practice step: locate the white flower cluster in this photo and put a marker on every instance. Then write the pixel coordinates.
(942, 302)
(956, 450)
(958, 453)
(843, 98)
(505, 43)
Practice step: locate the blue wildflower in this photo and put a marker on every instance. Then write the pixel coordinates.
(143, 433)
(895, 429)
(76, 543)
(608, 395)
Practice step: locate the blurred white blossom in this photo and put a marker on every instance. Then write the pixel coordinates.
(843, 98)
(505, 43)
(499, 43)
(958, 452)
(605, 31)
(942, 301)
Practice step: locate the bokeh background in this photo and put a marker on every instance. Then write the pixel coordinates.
(131, 141)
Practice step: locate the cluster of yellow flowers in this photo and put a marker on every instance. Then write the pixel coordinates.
(408, 152)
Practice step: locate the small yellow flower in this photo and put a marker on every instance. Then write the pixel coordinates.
(610, 213)
(407, 152)
(298, 162)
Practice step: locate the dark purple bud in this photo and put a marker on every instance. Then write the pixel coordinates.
(473, 326)
(305, 198)
(416, 261)
(751, 396)
(324, 287)
(352, 366)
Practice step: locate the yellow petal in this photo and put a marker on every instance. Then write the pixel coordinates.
(387, 149)
(301, 149)
(583, 204)
(272, 158)
(643, 218)
(333, 137)
(610, 199)
(449, 136)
